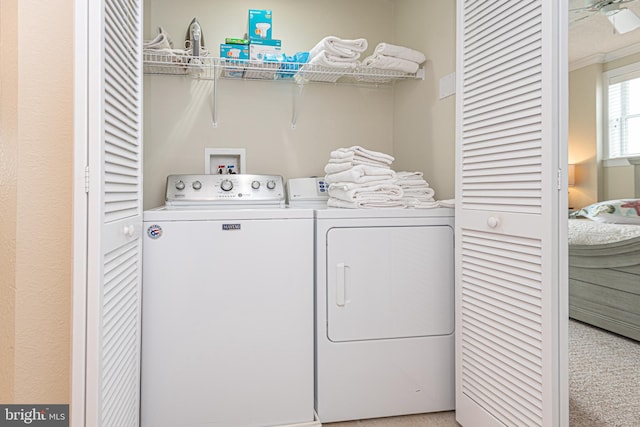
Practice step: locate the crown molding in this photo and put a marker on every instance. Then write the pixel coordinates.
(602, 58)
(599, 58)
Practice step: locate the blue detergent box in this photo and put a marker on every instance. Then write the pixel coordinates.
(260, 24)
(234, 54)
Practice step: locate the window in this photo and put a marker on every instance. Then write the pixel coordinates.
(623, 112)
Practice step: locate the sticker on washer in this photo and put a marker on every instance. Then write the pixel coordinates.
(154, 231)
(231, 226)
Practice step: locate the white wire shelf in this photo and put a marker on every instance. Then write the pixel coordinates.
(210, 68)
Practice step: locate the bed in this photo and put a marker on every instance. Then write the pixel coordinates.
(604, 275)
(604, 263)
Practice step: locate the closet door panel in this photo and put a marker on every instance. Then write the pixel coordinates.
(508, 290)
(114, 175)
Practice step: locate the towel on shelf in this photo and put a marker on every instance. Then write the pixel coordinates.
(364, 204)
(401, 52)
(357, 152)
(160, 49)
(162, 40)
(326, 59)
(351, 191)
(391, 63)
(348, 49)
(362, 174)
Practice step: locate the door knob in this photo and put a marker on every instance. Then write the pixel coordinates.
(493, 222)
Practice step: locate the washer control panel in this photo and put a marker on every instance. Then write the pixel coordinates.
(225, 189)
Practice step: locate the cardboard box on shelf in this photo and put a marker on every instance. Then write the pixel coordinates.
(260, 24)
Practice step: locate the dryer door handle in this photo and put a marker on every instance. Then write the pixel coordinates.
(341, 283)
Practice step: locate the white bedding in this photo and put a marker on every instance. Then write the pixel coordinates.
(588, 232)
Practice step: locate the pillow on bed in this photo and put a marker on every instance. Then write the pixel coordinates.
(624, 211)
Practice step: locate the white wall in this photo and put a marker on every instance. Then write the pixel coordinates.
(406, 121)
(585, 133)
(36, 164)
(424, 125)
(594, 181)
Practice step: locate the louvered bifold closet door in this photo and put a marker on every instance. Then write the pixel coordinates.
(115, 217)
(507, 345)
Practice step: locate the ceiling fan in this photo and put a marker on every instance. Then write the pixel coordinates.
(622, 18)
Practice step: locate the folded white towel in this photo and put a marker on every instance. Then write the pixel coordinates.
(409, 175)
(362, 174)
(401, 52)
(334, 166)
(350, 49)
(411, 180)
(364, 204)
(449, 203)
(355, 162)
(412, 183)
(423, 193)
(162, 40)
(391, 63)
(326, 59)
(349, 191)
(358, 151)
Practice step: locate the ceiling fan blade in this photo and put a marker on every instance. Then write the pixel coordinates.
(624, 20)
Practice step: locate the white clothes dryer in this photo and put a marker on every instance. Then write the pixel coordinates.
(227, 308)
(384, 312)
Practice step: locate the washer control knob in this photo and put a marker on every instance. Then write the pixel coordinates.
(226, 185)
(271, 185)
(255, 185)
(196, 185)
(179, 185)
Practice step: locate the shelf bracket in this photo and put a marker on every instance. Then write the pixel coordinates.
(214, 104)
(296, 105)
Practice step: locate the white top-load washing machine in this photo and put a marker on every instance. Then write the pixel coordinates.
(384, 312)
(227, 320)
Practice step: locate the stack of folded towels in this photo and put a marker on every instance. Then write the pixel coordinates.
(361, 178)
(333, 51)
(392, 57)
(414, 188)
(161, 44)
(417, 193)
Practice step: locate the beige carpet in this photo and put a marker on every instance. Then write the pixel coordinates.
(604, 378)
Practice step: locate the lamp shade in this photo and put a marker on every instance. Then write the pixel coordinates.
(571, 173)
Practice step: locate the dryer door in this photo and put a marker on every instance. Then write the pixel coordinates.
(389, 282)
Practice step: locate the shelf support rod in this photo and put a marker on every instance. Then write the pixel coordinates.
(214, 96)
(296, 105)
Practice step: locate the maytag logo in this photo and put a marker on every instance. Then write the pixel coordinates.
(37, 415)
(231, 226)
